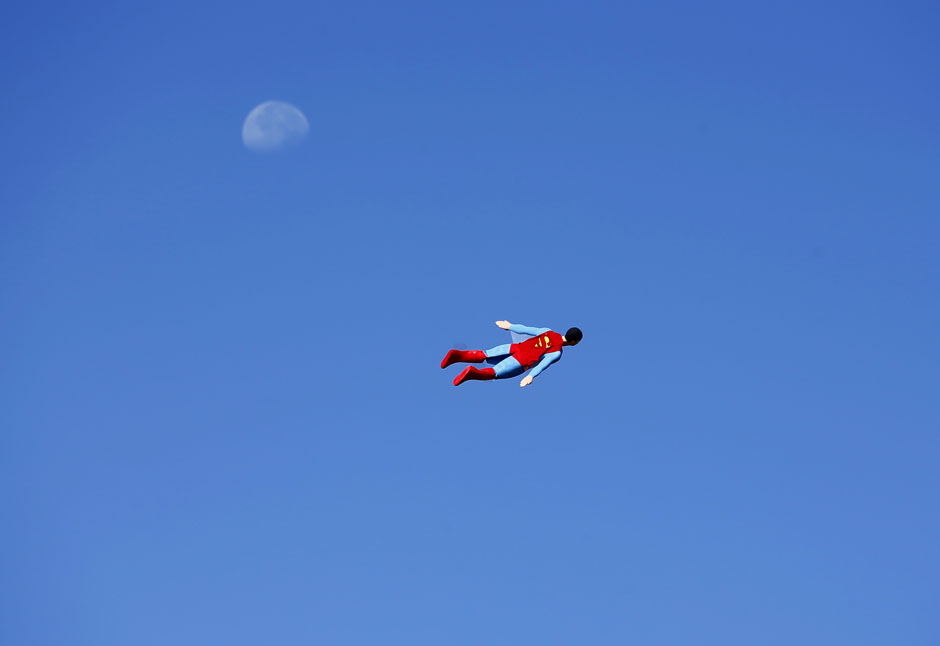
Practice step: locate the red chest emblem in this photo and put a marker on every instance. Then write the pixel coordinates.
(543, 341)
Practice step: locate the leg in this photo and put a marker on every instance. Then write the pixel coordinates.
(499, 351)
(475, 356)
(506, 368)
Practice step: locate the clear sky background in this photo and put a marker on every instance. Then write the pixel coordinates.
(223, 417)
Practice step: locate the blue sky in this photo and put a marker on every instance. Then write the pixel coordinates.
(223, 419)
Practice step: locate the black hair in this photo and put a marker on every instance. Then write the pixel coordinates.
(573, 335)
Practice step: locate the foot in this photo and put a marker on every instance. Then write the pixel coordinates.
(462, 377)
(476, 374)
(470, 356)
(452, 357)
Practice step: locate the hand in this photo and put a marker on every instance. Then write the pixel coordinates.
(503, 324)
(525, 382)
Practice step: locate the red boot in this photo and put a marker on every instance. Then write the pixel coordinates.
(470, 374)
(463, 356)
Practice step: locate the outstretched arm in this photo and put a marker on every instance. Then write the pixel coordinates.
(546, 361)
(522, 329)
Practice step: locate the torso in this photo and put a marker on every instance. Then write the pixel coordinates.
(531, 351)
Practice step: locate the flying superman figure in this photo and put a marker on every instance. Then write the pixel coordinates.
(537, 348)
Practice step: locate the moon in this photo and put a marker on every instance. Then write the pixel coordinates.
(272, 126)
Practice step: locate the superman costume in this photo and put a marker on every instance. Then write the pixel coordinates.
(542, 348)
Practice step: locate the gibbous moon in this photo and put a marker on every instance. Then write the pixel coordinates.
(274, 125)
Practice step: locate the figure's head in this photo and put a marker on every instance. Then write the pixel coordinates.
(573, 336)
